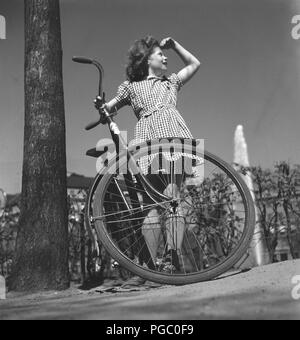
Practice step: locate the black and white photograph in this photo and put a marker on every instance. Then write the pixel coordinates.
(150, 162)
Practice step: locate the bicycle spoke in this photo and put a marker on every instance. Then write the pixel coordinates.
(182, 259)
(133, 209)
(187, 237)
(130, 227)
(201, 248)
(214, 204)
(137, 241)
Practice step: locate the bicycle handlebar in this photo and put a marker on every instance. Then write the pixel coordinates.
(103, 115)
(92, 125)
(82, 60)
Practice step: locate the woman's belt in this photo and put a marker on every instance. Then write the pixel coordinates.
(155, 108)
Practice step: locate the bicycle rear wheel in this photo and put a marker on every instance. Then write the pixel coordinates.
(201, 231)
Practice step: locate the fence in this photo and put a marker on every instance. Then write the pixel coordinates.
(84, 264)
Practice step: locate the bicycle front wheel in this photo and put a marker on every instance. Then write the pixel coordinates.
(200, 231)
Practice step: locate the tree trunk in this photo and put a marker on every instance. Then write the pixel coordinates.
(41, 260)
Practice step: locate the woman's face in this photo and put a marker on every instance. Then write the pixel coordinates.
(157, 60)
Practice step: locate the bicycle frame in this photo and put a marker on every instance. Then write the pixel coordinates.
(116, 135)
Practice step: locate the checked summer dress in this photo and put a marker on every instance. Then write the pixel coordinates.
(153, 101)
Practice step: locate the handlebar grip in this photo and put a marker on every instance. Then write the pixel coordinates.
(82, 60)
(93, 125)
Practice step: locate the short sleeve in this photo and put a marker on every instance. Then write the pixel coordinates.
(123, 94)
(176, 81)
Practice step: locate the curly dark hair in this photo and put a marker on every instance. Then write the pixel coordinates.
(137, 66)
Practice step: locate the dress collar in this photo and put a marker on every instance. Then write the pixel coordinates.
(156, 77)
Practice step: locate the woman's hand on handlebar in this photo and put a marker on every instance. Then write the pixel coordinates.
(99, 105)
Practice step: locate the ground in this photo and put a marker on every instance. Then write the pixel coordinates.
(261, 293)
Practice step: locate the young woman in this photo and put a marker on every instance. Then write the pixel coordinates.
(153, 97)
(151, 94)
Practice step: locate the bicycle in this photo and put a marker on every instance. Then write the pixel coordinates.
(201, 227)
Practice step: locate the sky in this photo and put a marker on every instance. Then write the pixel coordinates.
(249, 74)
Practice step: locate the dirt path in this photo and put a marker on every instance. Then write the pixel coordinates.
(262, 293)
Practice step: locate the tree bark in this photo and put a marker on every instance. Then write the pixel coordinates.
(41, 260)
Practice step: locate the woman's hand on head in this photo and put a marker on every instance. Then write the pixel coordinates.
(167, 43)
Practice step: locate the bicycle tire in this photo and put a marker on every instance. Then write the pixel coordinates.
(98, 191)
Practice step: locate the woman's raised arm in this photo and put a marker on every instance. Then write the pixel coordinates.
(191, 62)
